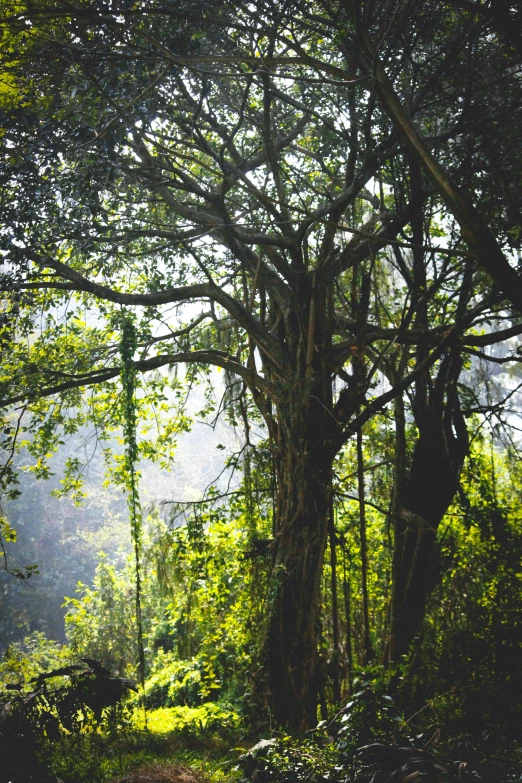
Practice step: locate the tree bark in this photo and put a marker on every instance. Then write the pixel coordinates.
(420, 503)
(290, 644)
(291, 639)
(304, 442)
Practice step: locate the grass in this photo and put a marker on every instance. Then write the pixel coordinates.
(180, 745)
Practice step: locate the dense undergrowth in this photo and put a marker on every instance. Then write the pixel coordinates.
(54, 729)
(204, 587)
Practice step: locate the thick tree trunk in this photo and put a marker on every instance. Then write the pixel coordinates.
(419, 506)
(428, 494)
(305, 437)
(290, 644)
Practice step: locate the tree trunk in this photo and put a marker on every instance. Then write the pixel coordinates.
(290, 644)
(428, 494)
(419, 507)
(347, 591)
(305, 438)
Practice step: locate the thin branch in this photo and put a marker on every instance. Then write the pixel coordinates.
(495, 359)
(347, 496)
(206, 501)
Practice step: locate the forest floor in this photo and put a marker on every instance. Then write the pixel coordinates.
(138, 757)
(162, 772)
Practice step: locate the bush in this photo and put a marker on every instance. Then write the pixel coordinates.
(195, 723)
(285, 760)
(370, 716)
(174, 683)
(71, 700)
(26, 659)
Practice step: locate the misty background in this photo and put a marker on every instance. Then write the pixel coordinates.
(65, 540)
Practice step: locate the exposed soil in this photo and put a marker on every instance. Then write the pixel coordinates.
(162, 773)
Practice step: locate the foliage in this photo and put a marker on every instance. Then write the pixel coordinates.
(214, 592)
(285, 758)
(469, 653)
(195, 725)
(173, 682)
(34, 718)
(295, 206)
(106, 757)
(22, 661)
(378, 761)
(371, 715)
(198, 738)
(197, 621)
(101, 623)
(464, 671)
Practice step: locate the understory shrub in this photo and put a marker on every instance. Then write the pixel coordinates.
(35, 716)
(284, 759)
(371, 715)
(194, 723)
(173, 682)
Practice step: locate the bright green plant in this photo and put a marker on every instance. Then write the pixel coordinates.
(101, 622)
(193, 723)
(173, 682)
(23, 660)
(211, 584)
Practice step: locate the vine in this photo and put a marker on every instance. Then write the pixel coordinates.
(128, 347)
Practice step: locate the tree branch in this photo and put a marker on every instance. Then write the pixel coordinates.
(216, 358)
(262, 337)
(474, 228)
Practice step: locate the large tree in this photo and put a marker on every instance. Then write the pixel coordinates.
(277, 191)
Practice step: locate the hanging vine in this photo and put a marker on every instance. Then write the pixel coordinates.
(128, 347)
